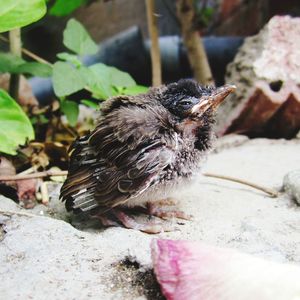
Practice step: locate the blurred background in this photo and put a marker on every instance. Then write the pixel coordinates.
(125, 22)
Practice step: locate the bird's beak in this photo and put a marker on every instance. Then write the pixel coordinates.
(214, 100)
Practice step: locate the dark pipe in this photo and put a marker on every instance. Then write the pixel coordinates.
(130, 53)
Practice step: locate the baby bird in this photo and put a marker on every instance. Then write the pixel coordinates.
(143, 148)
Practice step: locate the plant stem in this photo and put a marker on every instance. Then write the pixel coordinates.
(49, 173)
(155, 51)
(15, 48)
(33, 175)
(28, 53)
(193, 43)
(269, 191)
(17, 213)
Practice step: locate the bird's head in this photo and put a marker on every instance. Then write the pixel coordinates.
(187, 99)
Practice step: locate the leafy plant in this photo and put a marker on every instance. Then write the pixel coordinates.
(15, 127)
(16, 65)
(71, 76)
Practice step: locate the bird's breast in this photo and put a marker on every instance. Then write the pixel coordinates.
(186, 164)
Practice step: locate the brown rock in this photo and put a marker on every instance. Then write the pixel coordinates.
(266, 71)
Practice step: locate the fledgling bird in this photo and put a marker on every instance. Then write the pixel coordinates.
(142, 149)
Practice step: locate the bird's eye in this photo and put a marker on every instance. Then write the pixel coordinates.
(185, 103)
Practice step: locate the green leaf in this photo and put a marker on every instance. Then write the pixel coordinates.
(15, 127)
(135, 90)
(66, 79)
(23, 13)
(13, 64)
(98, 80)
(35, 68)
(77, 39)
(7, 5)
(63, 8)
(71, 110)
(72, 58)
(120, 78)
(9, 62)
(104, 81)
(90, 103)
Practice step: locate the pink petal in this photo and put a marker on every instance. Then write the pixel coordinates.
(195, 271)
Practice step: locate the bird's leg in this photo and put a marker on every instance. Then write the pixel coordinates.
(166, 209)
(151, 226)
(106, 220)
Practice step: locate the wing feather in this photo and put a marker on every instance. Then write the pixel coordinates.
(129, 156)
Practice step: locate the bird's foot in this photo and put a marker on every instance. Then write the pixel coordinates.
(106, 220)
(117, 218)
(149, 226)
(166, 209)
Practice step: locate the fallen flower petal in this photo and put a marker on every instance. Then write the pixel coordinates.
(194, 271)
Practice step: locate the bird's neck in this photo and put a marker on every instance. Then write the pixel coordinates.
(198, 131)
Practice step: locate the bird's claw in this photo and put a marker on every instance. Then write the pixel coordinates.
(166, 209)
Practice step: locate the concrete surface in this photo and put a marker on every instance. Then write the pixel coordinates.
(291, 184)
(47, 258)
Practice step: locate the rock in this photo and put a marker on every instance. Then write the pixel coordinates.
(229, 141)
(42, 257)
(266, 71)
(291, 184)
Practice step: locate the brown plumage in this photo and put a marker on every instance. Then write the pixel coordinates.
(142, 147)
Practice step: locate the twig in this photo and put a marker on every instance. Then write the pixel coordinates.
(49, 173)
(15, 48)
(155, 51)
(29, 53)
(33, 175)
(28, 171)
(18, 213)
(269, 191)
(45, 193)
(35, 57)
(193, 42)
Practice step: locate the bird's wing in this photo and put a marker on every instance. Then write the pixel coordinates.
(132, 173)
(121, 159)
(133, 151)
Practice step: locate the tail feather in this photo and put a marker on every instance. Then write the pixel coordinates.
(79, 188)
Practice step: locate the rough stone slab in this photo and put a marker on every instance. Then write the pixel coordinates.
(291, 184)
(45, 258)
(266, 71)
(270, 113)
